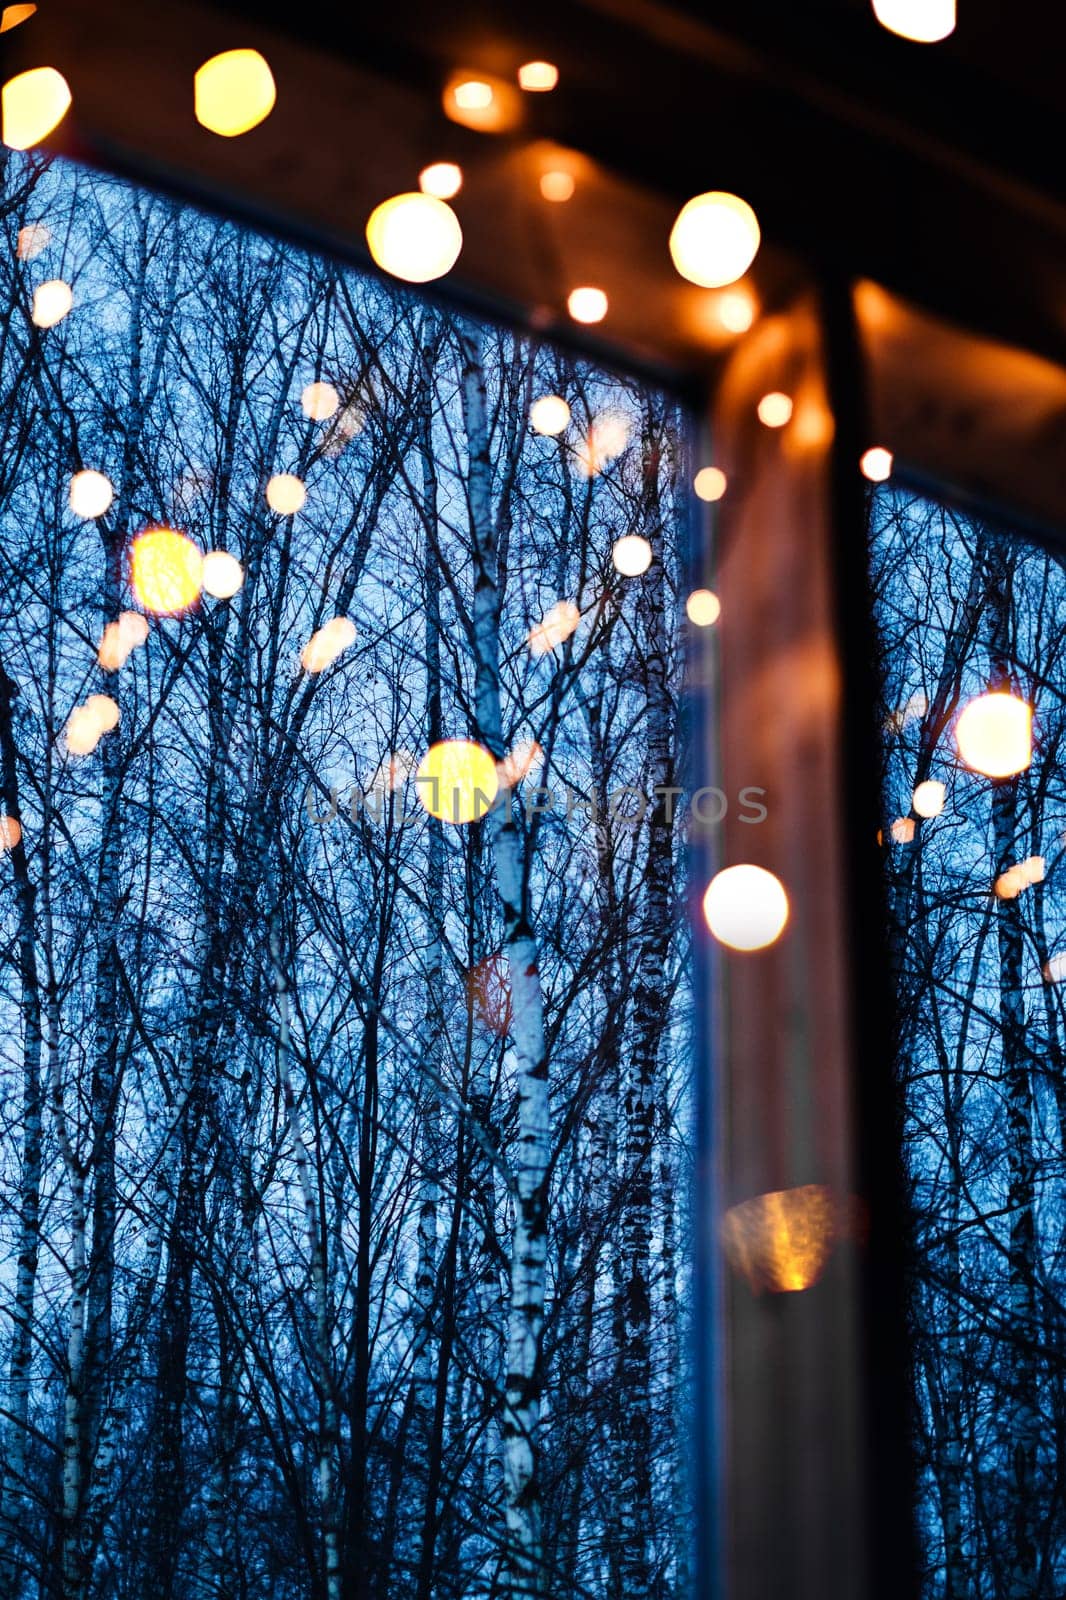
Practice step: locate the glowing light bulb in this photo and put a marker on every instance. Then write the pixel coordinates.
(557, 186)
(714, 239)
(703, 608)
(329, 642)
(550, 414)
(631, 555)
(33, 103)
(736, 310)
(746, 907)
(925, 21)
(286, 493)
(51, 302)
(537, 77)
(223, 574)
(710, 483)
(320, 401)
(587, 304)
(994, 734)
(928, 798)
(234, 92)
(166, 571)
(91, 493)
(442, 179)
(457, 781)
(414, 237)
(775, 409)
(876, 464)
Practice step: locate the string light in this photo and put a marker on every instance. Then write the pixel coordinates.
(928, 798)
(414, 237)
(557, 187)
(714, 239)
(457, 781)
(775, 409)
(165, 571)
(51, 302)
(736, 310)
(924, 21)
(234, 92)
(587, 304)
(549, 415)
(703, 608)
(631, 555)
(320, 401)
(286, 493)
(876, 464)
(329, 642)
(91, 493)
(710, 483)
(746, 907)
(33, 239)
(538, 77)
(33, 104)
(223, 574)
(442, 180)
(994, 734)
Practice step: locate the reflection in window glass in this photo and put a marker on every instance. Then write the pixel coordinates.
(975, 868)
(345, 1001)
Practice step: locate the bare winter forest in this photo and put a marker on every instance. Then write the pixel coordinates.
(978, 918)
(344, 1151)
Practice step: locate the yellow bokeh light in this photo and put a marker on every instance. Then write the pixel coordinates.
(537, 77)
(549, 415)
(703, 608)
(994, 734)
(925, 21)
(13, 15)
(587, 304)
(715, 239)
(928, 798)
(223, 574)
(441, 179)
(120, 639)
(87, 724)
(165, 571)
(320, 401)
(234, 92)
(710, 483)
(329, 642)
(91, 493)
(286, 493)
(876, 464)
(775, 409)
(557, 187)
(51, 302)
(457, 781)
(33, 103)
(746, 907)
(10, 832)
(781, 1242)
(736, 310)
(414, 237)
(631, 555)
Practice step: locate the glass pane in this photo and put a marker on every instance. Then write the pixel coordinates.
(973, 832)
(344, 981)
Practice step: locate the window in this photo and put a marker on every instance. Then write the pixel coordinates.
(344, 1188)
(974, 870)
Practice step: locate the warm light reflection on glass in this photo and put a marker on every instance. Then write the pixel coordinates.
(994, 734)
(286, 493)
(480, 101)
(10, 832)
(223, 574)
(234, 92)
(631, 555)
(165, 571)
(557, 186)
(88, 723)
(781, 1242)
(928, 798)
(414, 237)
(33, 103)
(775, 409)
(925, 21)
(714, 239)
(554, 628)
(51, 302)
(524, 757)
(13, 15)
(490, 991)
(457, 781)
(91, 493)
(587, 304)
(537, 77)
(33, 239)
(903, 830)
(703, 608)
(710, 483)
(746, 907)
(876, 464)
(736, 310)
(441, 179)
(1010, 884)
(327, 643)
(120, 639)
(320, 401)
(550, 414)
(607, 437)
